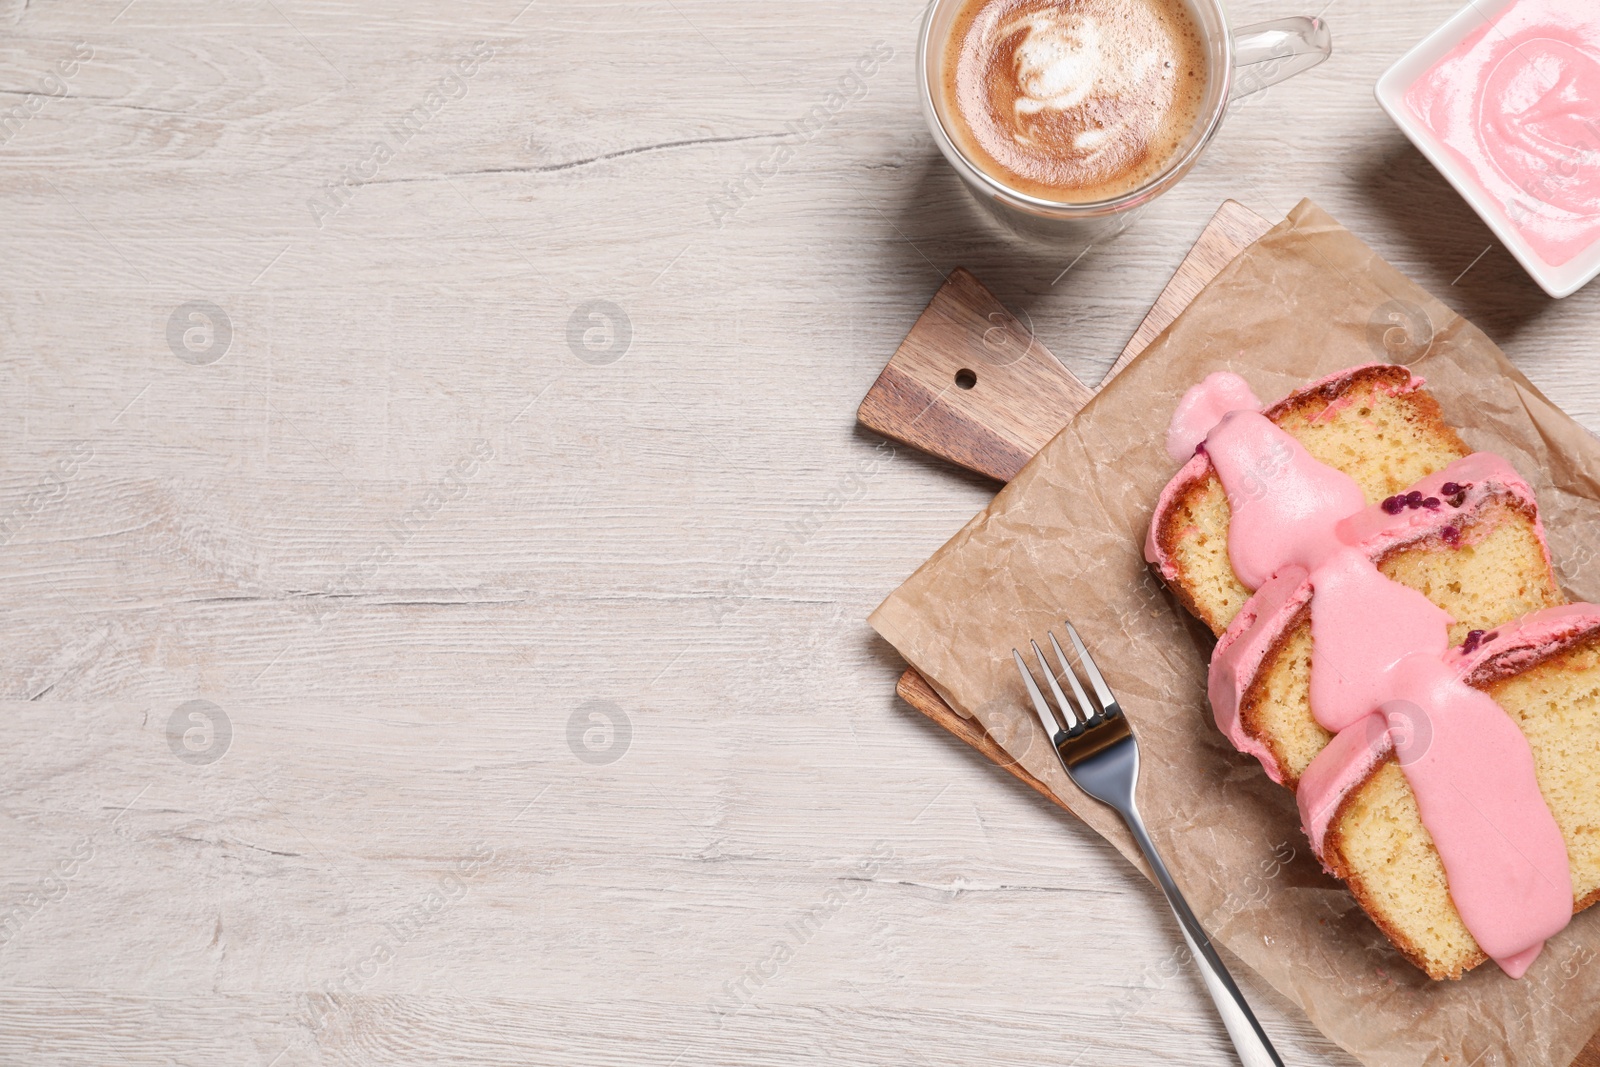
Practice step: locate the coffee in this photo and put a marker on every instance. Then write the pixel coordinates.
(1073, 100)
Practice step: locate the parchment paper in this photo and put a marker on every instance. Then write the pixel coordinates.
(1065, 539)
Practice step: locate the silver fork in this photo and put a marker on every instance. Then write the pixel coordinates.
(1098, 751)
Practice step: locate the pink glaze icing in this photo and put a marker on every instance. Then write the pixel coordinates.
(1202, 407)
(1283, 504)
(1355, 660)
(1515, 103)
(1352, 755)
(1240, 650)
(1211, 394)
(1472, 772)
(1376, 531)
(1198, 467)
(1510, 648)
(1339, 768)
(1379, 648)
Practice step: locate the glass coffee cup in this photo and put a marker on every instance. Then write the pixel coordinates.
(1237, 64)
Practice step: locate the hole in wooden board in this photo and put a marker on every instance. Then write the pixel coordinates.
(965, 379)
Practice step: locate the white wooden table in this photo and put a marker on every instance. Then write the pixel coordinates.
(532, 420)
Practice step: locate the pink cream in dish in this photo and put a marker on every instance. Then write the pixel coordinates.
(1517, 103)
(1380, 659)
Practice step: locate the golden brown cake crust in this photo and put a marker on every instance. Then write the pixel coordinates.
(1169, 531)
(1313, 400)
(1333, 842)
(1496, 670)
(1333, 858)
(1250, 706)
(1167, 538)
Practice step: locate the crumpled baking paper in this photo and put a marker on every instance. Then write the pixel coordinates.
(1065, 540)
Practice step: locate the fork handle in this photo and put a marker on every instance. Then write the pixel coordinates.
(1248, 1038)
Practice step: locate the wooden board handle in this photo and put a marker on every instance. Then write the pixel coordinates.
(972, 384)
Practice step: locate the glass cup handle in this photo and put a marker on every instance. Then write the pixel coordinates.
(1269, 52)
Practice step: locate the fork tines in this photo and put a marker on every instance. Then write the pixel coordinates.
(1072, 716)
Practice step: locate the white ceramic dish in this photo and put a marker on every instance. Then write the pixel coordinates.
(1560, 281)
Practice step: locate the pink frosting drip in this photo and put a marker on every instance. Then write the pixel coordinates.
(1213, 394)
(1379, 676)
(1339, 768)
(1202, 408)
(1514, 103)
(1284, 505)
(1376, 530)
(1239, 652)
(1365, 630)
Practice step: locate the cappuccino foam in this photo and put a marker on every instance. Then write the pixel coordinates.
(1074, 100)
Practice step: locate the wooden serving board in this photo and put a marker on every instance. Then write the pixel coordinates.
(1018, 396)
(971, 384)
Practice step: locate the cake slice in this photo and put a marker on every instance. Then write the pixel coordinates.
(1362, 816)
(1467, 537)
(1375, 423)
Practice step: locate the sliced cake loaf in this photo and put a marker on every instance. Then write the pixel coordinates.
(1467, 537)
(1375, 423)
(1362, 816)
(1463, 531)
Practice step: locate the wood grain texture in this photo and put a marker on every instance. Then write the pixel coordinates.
(915, 690)
(690, 533)
(972, 384)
